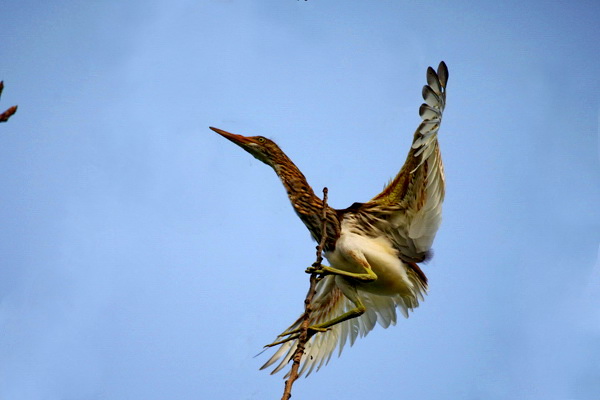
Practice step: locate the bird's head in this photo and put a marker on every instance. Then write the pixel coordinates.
(261, 148)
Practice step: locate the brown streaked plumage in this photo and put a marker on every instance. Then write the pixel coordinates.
(373, 248)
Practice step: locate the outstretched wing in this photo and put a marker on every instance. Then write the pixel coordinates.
(328, 303)
(410, 207)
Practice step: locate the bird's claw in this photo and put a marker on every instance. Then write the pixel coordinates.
(295, 334)
(316, 270)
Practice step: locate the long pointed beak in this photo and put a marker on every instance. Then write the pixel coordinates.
(237, 139)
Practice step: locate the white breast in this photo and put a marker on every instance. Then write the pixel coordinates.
(354, 252)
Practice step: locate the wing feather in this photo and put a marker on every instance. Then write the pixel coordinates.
(410, 207)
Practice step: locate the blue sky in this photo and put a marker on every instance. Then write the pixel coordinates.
(144, 256)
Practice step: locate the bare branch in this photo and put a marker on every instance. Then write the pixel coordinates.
(304, 332)
(8, 113)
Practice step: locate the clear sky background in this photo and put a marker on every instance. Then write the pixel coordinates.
(142, 256)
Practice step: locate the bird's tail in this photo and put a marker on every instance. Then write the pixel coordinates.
(328, 303)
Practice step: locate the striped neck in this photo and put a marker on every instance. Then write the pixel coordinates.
(306, 204)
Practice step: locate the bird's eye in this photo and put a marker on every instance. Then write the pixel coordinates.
(261, 139)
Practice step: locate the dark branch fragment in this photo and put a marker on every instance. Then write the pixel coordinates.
(8, 113)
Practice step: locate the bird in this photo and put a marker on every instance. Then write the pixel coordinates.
(374, 248)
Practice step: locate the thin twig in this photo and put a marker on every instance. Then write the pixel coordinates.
(8, 113)
(304, 334)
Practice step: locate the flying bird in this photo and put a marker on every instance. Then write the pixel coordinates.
(373, 248)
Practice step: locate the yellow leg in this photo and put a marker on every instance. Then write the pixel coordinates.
(347, 288)
(323, 327)
(368, 276)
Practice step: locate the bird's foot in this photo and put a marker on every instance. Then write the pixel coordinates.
(316, 269)
(295, 334)
(323, 270)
